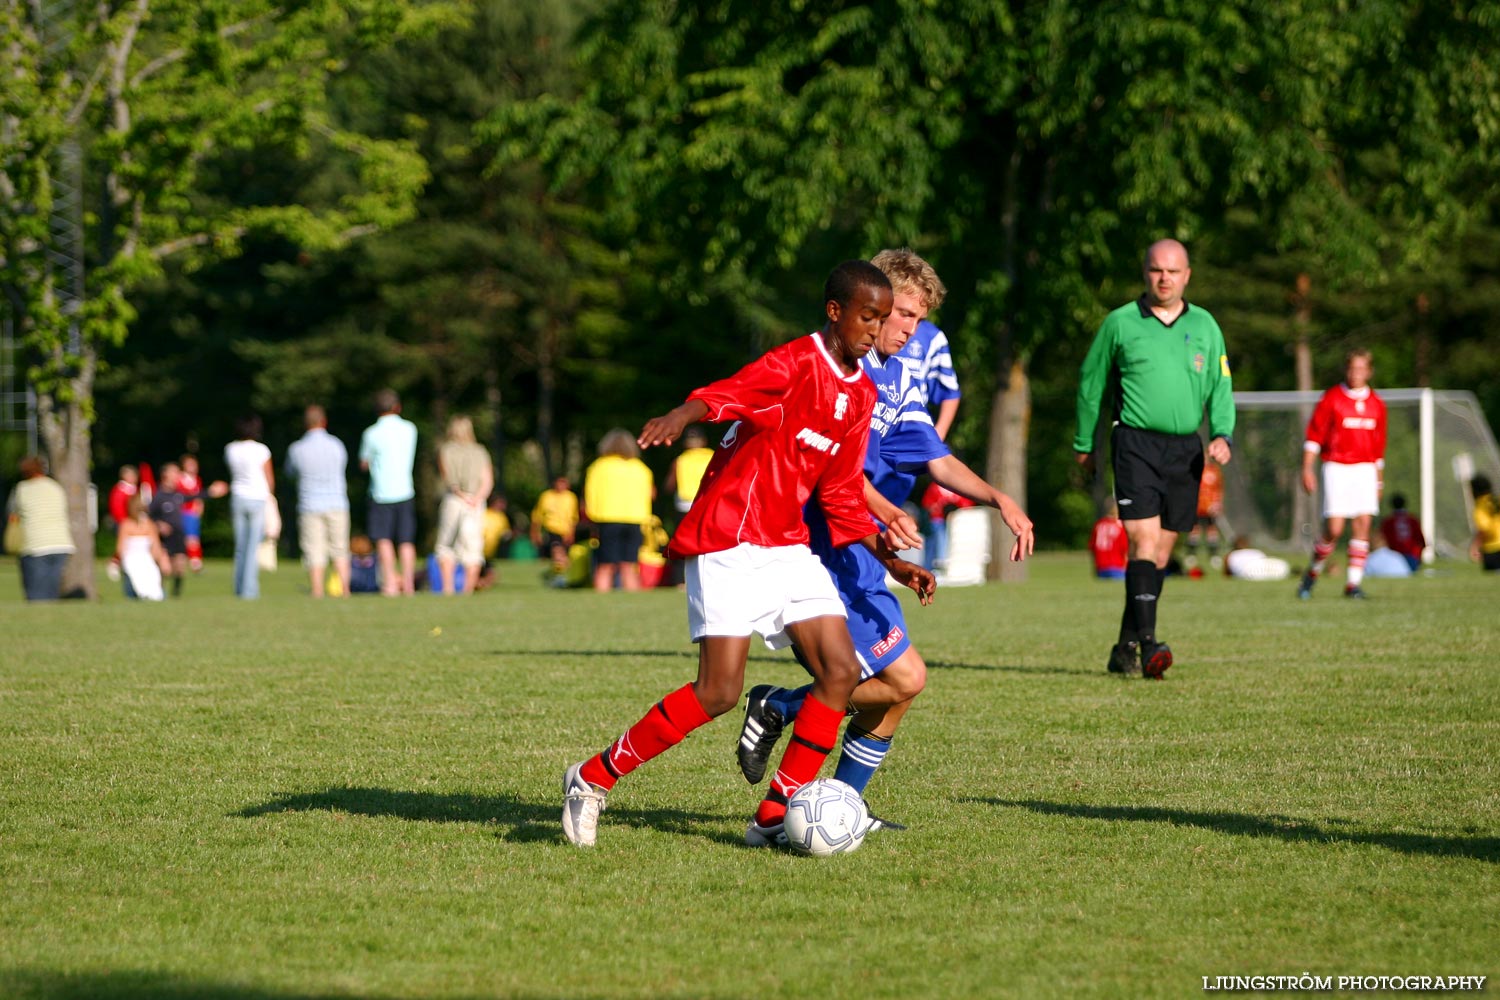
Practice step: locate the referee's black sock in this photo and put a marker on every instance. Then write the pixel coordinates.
(1142, 584)
(1128, 631)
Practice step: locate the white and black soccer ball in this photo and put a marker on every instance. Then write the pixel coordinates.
(826, 817)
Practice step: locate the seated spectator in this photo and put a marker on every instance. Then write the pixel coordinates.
(1403, 533)
(554, 523)
(1485, 548)
(1109, 545)
(364, 574)
(143, 561)
(1387, 562)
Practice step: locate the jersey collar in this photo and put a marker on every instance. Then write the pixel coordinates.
(1146, 313)
(859, 371)
(1355, 393)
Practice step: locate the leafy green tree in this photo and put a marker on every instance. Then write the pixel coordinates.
(146, 113)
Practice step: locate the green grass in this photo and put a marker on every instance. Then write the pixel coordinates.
(283, 799)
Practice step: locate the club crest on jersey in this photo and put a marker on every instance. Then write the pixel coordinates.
(840, 405)
(913, 348)
(1198, 363)
(809, 438)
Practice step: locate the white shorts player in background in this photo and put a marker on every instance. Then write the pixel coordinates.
(1347, 430)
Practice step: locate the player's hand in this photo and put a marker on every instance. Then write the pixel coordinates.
(1219, 451)
(1085, 459)
(1309, 481)
(1020, 525)
(662, 430)
(902, 533)
(217, 489)
(909, 574)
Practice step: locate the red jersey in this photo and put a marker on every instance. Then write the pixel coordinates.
(119, 501)
(937, 498)
(802, 426)
(1348, 426)
(1403, 533)
(191, 485)
(1108, 543)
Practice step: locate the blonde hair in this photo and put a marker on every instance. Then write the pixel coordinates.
(620, 443)
(461, 430)
(911, 275)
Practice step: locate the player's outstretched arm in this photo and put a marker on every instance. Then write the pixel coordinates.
(908, 574)
(901, 530)
(958, 477)
(668, 427)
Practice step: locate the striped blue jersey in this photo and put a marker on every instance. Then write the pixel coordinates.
(930, 361)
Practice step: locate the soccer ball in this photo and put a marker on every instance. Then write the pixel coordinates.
(826, 817)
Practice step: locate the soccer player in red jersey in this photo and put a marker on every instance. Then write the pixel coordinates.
(1403, 532)
(1347, 430)
(802, 415)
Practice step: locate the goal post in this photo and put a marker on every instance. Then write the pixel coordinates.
(1438, 440)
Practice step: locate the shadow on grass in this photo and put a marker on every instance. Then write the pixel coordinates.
(689, 653)
(523, 822)
(37, 984)
(1011, 668)
(1288, 828)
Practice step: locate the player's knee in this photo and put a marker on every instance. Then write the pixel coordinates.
(716, 697)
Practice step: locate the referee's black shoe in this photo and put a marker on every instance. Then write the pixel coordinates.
(1156, 657)
(1122, 659)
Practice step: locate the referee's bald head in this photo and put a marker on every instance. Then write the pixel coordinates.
(1165, 246)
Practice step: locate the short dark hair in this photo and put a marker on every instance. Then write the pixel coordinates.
(386, 401)
(247, 428)
(1480, 485)
(1398, 502)
(849, 277)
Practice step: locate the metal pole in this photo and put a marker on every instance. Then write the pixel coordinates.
(1428, 461)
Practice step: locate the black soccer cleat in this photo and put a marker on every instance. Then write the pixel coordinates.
(1304, 589)
(1156, 657)
(1357, 593)
(1122, 658)
(758, 736)
(873, 823)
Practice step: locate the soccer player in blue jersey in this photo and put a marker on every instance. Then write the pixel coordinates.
(927, 355)
(903, 443)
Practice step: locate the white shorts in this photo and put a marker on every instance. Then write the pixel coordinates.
(460, 532)
(750, 588)
(1350, 490)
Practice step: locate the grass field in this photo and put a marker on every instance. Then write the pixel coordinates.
(283, 799)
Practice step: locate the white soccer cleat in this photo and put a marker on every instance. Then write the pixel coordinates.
(765, 836)
(582, 804)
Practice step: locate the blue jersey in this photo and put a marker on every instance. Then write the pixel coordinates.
(927, 356)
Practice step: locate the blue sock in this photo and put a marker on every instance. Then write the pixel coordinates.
(862, 754)
(788, 701)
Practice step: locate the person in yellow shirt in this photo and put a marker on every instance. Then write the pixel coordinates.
(617, 492)
(686, 471)
(497, 528)
(554, 521)
(1485, 549)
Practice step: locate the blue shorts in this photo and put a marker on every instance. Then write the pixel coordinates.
(876, 621)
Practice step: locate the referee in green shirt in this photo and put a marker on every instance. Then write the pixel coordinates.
(1165, 362)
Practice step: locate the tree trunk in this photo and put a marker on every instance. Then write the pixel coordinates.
(1005, 463)
(1304, 519)
(69, 440)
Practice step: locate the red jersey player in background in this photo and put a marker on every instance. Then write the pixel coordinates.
(937, 500)
(1206, 525)
(1110, 545)
(1347, 430)
(1403, 532)
(802, 415)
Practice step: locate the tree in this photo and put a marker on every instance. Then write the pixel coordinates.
(123, 128)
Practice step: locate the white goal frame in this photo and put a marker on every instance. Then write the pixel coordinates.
(1460, 404)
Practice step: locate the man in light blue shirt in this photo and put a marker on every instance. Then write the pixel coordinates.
(388, 450)
(318, 461)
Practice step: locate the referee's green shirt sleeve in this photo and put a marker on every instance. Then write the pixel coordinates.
(1221, 395)
(1093, 375)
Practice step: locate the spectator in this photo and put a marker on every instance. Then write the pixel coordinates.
(319, 462)
(168, 510)
(1403, 533)
(1485, 549)
(554, 523)
(468, 476)
(251, 485)
(39, 508)
(139, 549)
(388, 451)
(364, 574)
(937, 501)
(1110, 545)
(119, 495)
(497, 529)
(686, 471)
(617, 494)
(192, 512)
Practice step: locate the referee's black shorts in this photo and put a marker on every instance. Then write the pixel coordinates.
(1157, 475)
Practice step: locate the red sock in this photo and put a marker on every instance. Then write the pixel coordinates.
(661, 729)
(194, 548)
(1321, 551)
(814, 735)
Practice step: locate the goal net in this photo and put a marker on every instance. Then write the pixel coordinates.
(1438, 440)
